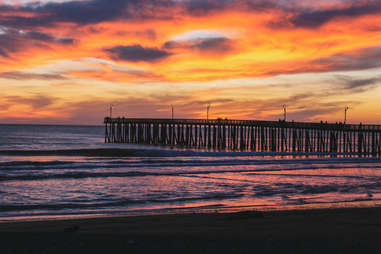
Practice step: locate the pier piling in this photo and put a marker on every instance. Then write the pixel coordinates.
(246, 135)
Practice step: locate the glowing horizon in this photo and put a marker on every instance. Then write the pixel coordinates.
(65, 62)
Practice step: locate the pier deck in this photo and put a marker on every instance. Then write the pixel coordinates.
(247, 135)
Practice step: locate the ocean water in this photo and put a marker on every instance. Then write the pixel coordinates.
(68, 171)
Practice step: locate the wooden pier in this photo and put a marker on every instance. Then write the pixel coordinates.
(246, 135)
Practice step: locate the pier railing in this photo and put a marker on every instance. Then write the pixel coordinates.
(251, 135)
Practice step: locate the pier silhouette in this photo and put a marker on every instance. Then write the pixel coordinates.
(247, 135)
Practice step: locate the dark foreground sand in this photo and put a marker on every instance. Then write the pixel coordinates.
(351, 230)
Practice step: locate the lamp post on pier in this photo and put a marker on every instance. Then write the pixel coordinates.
(284, 112)
(207, 111)
(111, 107)
(345, 114)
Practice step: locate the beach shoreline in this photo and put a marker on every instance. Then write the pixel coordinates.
(336, 230)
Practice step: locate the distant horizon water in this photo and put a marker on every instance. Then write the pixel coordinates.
(100, 124)
(146, 179)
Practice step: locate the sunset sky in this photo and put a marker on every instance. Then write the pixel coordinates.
(65, 62)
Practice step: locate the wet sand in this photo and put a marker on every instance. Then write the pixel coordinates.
(347, 230)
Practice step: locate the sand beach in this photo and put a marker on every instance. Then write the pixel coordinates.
(344, 230)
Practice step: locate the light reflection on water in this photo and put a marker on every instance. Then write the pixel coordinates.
(139, 184)
(165, 180)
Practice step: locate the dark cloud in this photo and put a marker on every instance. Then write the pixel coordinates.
(3, 53)
(203, 7)
(214, 44)
(44, 37)
(135, 53)
(6, 51)
(9, 43)
(207, 7)
(365, 58)
(312, 19)
(96, 11)
(83, 12)
(80, 12)
(220, 44)
(13, 40)
(27, 76)
(36, 102)
(39, 36)
(66, 40)
(358, 85)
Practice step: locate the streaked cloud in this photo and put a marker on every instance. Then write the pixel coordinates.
(359, 59)
(359, 85)
(349, 10)
(28, 76)
(36, 101)
(12, 41)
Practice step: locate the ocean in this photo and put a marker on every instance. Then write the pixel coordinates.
(49, 172)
